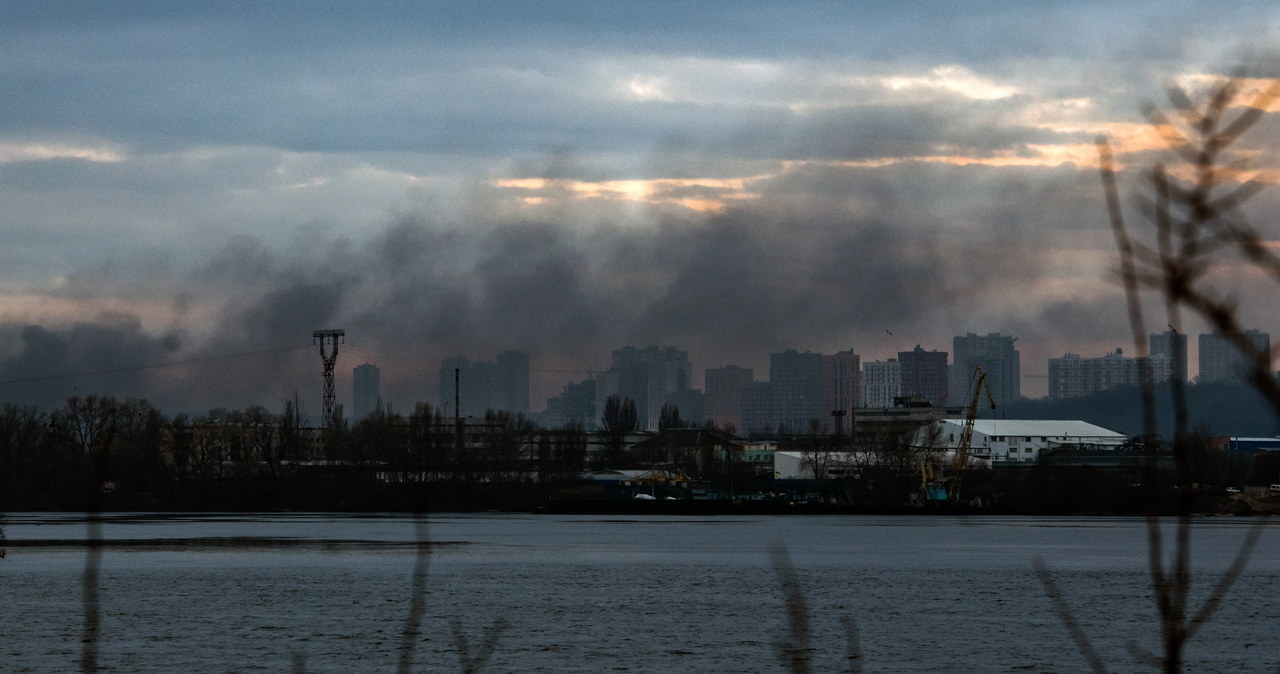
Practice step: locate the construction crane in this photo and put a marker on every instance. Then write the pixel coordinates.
(960, 462)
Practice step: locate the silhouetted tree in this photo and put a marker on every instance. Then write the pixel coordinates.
(669, 417)
(619, 420)
(24, 459)
(571, 449)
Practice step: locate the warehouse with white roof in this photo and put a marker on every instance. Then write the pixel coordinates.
(1014, 440)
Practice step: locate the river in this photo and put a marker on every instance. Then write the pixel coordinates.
(325, 593)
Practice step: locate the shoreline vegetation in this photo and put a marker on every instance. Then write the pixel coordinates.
(804, 499)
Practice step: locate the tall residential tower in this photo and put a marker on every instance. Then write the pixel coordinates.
(995, 354)
(365, 390)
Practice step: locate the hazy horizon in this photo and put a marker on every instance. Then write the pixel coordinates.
(185, 182)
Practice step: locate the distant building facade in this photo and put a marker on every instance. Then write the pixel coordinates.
(757, 409)
(365, 390)
(1221, 359)
(691, 404)
(1071, 376)
(995, 354)
(502, 384)
(795, 380)
(648, 376)
(725, 387)
(924, 374)
(1173, 346)
(575, 406)
(881, 383)
(511, 382)
(841, 388)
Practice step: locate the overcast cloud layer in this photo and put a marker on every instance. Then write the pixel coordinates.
(189, 189)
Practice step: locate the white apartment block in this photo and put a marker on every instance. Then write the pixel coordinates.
(881, 383)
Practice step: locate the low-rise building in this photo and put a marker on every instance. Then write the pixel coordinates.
(1019, 440)
(789, 465)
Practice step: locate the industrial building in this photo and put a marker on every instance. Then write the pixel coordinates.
(1017, 440)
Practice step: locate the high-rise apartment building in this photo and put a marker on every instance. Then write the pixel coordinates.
(995, 354)
(924, 374)
(757, 409)
(841, 388)
(576, 405)
(365, 390)
(795, 380)
(724, 390)
(881, 383)
(1071, 375)
(1172, 346)
(648, 376)
(691, 404)
(511, 382)
(1221, 360)
(486, 385)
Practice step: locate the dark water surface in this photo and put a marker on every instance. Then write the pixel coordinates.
(622, 594)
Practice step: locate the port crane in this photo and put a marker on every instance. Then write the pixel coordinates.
(960, 462)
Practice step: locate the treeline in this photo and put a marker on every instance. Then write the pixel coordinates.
(100, 452)
(1216, 408)
(134, 457)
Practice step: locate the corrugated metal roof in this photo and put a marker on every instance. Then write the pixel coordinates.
(1051, 428)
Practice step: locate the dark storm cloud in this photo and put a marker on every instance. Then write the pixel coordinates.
(251, 144)
(825, 257)
(736, 283)
(111, 355)
(455, 78)
(965, 129)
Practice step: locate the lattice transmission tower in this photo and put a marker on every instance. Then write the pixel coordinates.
(328, 341)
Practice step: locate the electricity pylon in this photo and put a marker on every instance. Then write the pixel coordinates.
(328, 340)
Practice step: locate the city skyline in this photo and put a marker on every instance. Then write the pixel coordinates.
(191, 190)
(801, 386)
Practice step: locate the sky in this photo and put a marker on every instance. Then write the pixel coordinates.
(188, 190)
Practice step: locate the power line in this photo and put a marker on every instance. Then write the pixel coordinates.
(157, 366)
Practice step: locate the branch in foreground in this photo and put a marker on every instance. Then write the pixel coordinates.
(417, 596)
(793, 652)
(1068, 618)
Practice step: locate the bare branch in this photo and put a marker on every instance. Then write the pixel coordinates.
(853, 644)
(1068, 618)
(417, 596)
(1229, 577)
(1142, 655)
(794, 652)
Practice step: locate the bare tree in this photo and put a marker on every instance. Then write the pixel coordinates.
(619, 420)
(669, 417)
(89, 425)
